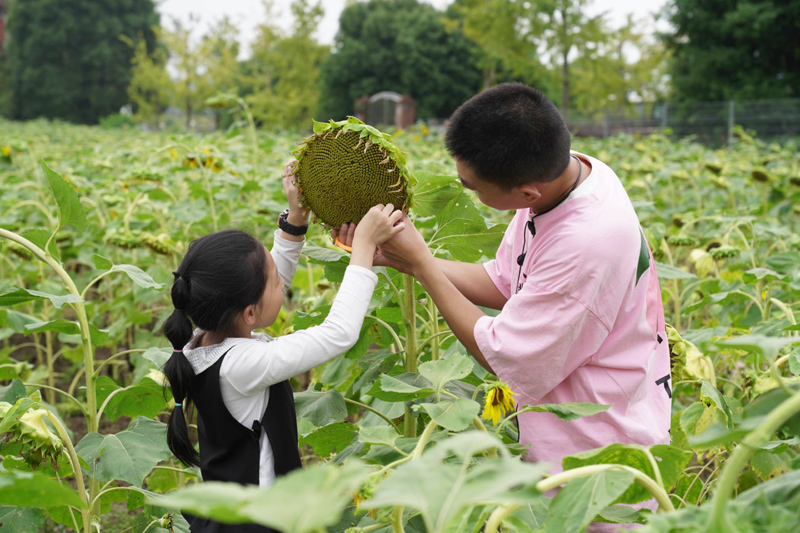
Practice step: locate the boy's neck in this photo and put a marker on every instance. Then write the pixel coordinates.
(556, 191)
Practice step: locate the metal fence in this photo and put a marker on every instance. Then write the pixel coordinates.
(710, 122)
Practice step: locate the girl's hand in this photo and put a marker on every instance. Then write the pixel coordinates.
(380, 224)
(405, 252)
(298, 216)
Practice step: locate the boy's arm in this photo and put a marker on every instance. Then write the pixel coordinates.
(473, 282)
(459, 313)
(409, 250)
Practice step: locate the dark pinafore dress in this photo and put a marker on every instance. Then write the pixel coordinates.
(230, 451)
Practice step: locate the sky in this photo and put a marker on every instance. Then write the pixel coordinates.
(247, 14)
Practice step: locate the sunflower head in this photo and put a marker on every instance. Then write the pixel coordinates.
(346, 168)
(497, 402)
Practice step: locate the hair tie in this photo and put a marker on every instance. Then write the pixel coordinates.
(177, 351)
(178, 405)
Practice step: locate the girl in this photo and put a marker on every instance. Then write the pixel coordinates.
(228, 285)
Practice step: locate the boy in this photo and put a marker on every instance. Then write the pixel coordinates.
(581, 315)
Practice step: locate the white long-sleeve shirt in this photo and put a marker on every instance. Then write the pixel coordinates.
(252, 365)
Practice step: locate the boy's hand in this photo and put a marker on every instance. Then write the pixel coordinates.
(297, 215)
(406, 250)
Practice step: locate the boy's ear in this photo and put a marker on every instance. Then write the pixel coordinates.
(530, 192)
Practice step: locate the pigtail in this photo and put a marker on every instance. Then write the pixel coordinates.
(221, 274)
(180, 374)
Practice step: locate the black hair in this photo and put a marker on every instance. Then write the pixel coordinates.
(220, 275)
(509, 135)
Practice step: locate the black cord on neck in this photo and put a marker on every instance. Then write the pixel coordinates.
(532, 227)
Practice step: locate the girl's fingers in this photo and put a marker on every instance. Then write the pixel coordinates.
(387, 209)
(351, 230)
(395, 216)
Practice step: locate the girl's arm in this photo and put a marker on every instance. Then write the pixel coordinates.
(286, 249)
(261, 364)
(298, 352)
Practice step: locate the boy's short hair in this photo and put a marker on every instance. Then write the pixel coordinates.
(509, 135)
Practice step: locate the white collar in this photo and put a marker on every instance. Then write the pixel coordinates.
(203, 357)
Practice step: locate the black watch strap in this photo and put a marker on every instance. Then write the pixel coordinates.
(283, 224)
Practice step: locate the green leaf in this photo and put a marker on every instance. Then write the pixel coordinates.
(104, 386)
(138, 276)
(767, 346)
(158, 356)
(620, 514)
(582, 499)
(432, 192)
(40, 238)
(441, 490)
(60, 325)
(757, 274)
(101, 262)
(13, 392)
(26, 295)
(671, 462)
(383, 435)
(70, 209)
(455, 416)
(145, 398)
(320, 408)
(445, 370)
(129, 455)
(719, 434)
(707, 390)
(330, 438)
(462, 231)
(391, 389)
(324, 255)
(372, 365)
(784, 262)
(278, 507)
(667, 272)
(20, 519)
(567, 411)
(32, 489)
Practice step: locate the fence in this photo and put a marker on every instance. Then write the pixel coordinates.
(711, 122)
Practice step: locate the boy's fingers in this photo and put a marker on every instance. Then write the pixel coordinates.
(388, 208)
(395, 216)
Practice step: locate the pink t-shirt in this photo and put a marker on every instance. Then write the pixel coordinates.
(586, 325)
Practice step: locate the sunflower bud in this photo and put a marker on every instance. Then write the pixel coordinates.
(723, 252)
(167, 521)
(682, 239)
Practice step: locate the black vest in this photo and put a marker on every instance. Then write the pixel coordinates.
(230, 451)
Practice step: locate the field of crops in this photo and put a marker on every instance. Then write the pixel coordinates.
(93, 221)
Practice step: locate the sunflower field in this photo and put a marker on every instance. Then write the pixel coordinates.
(404, 432)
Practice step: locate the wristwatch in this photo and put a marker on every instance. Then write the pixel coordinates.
(283, 224)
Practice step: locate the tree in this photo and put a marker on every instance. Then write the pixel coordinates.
(150, 90)
(190, 88)
(283, 73)
(569, 29)
(219, 51)
(627, 64)
(507, 33)
(402, 46)
(67, 59)
(734, 49)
